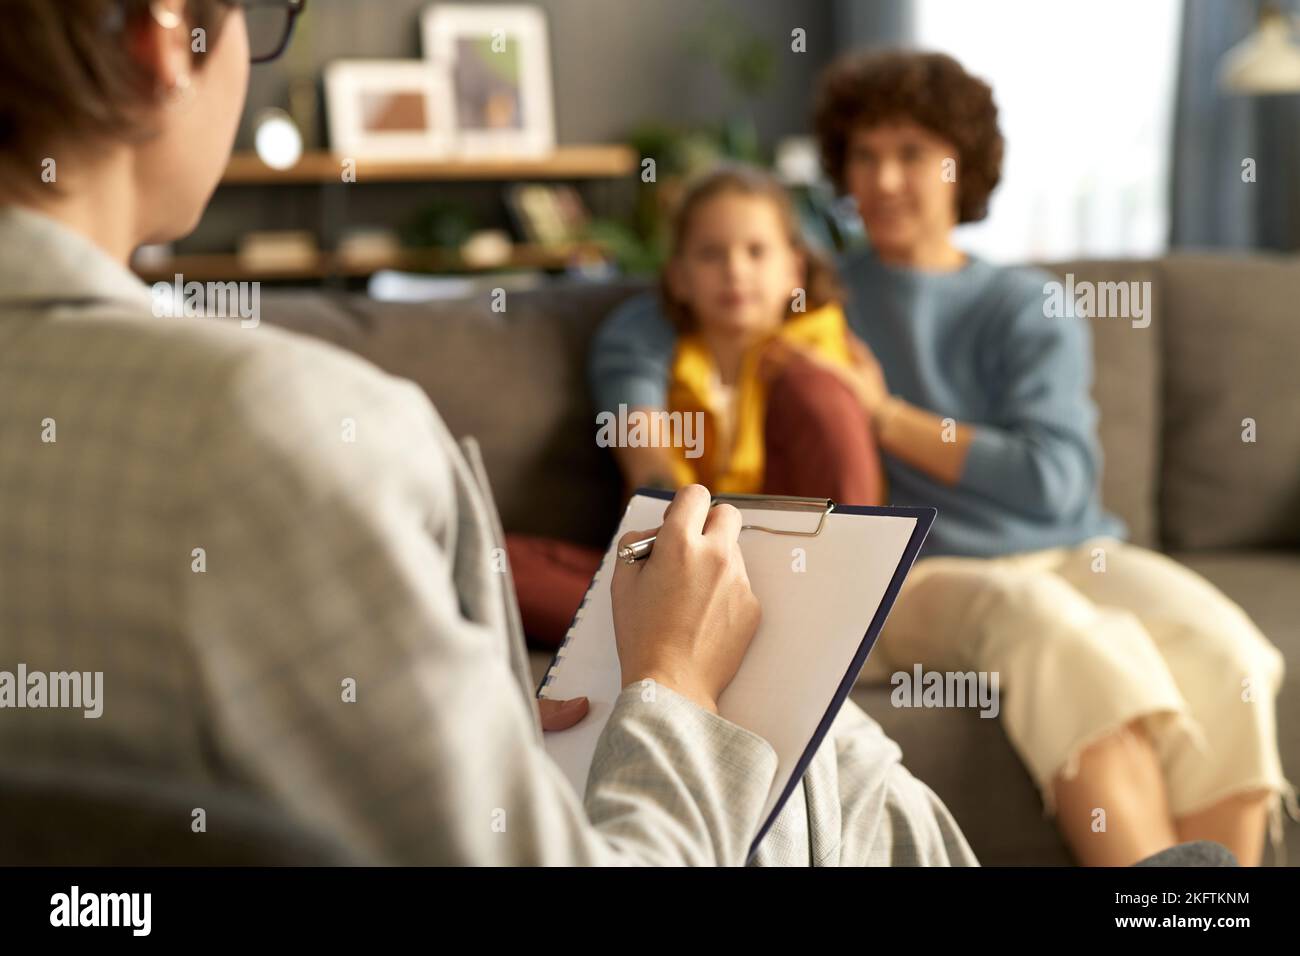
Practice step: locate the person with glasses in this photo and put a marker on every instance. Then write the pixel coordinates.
(280, 567)
(271, 605)
(270, 24)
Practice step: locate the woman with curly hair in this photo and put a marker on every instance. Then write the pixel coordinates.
(1138, 690)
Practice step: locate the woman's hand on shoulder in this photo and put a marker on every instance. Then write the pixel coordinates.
(863, 376)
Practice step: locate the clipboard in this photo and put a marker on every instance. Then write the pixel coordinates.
(826, 576)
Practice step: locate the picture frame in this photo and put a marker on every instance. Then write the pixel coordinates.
(496, 62)
(547, 214)
(388, 110)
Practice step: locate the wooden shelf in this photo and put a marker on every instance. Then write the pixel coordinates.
(228, 267)
(567, 162)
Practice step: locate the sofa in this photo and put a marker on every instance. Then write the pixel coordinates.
(1178, 394)
(1217, 361)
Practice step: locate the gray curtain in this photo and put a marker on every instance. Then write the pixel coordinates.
(863, 24)
(1214, 131)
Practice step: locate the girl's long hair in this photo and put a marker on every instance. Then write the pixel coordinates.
(821, 285)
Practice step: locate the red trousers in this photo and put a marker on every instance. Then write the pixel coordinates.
(817, 443)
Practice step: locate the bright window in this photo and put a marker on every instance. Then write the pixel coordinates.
(1085, 95)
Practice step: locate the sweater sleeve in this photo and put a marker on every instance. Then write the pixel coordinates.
(340, 677)
(1036, 452)
(630, 356)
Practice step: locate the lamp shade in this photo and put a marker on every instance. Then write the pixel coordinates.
(1267, 61)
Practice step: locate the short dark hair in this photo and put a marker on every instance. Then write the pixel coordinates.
(930, 89)
(66, 72)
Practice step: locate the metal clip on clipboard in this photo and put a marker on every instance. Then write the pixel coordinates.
(638, 550)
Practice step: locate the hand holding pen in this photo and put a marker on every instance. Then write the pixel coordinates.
(684, 620)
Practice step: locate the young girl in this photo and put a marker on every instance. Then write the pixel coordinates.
(1123, 672)
(760, 330)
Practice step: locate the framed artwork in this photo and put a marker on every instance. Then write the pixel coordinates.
(388, 109)
(548, 214)
(497, 63)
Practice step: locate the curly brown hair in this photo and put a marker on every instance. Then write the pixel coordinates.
(930, 89)
(821, 285)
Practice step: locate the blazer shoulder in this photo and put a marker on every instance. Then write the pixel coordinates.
(196, 373)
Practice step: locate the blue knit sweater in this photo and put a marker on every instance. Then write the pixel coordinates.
(972, 345)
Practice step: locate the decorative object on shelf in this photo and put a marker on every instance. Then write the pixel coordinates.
(278, 250)
(276, 139)
(368, 248)
(441, 224)
(487, 249)
(547, 214)
(497, 62)
(388, 109)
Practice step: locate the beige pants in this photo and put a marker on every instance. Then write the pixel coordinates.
(1087, 639)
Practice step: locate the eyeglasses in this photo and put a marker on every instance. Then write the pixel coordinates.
(270, 24)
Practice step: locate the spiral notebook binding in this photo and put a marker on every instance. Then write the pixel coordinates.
(577, 616)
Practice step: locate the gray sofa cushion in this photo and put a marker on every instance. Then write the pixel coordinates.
(526, 367)
(1126, 388)
(1264, 583)
(516, 380)
(1231, 344)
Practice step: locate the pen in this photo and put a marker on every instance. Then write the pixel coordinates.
(640, 550)
(637, 550)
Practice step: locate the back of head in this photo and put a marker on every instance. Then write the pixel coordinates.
(151, 85)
